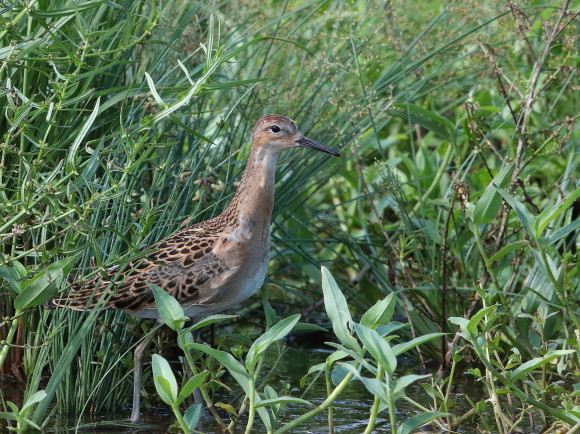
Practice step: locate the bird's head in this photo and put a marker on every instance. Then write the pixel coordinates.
(278, 133)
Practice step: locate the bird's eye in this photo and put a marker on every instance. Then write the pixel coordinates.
(275, 128)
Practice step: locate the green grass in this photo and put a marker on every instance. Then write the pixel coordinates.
(118, 125)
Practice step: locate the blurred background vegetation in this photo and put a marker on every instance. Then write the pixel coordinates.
(122, 121)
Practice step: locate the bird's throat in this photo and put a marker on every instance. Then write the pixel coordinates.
(255, 195)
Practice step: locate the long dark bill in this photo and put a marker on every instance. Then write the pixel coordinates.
(305, 142)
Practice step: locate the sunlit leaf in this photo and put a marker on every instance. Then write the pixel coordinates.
(377, 347)
(169, 308)
(261, 344)
(406, 346)
(164, 379)
(525, 368)
(381, 313)
(337, 310)
(193, 383)
(33, 399)
(209, 320)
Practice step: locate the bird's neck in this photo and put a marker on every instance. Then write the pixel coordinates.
(255, 195)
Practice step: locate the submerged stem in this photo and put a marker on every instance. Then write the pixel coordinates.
(376, 403)
(327, 402)
(330, 409)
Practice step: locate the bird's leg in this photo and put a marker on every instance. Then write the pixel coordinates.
(137, 370)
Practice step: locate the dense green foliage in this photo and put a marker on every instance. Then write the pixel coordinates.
(457, 189)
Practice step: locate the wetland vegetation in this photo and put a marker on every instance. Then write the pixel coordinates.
(434, 264)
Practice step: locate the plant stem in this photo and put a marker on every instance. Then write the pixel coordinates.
(328, 392)
(181, 342)
(391, 403)
(448, 392)
(376, 403)
(252, 412)
(6, 343)
(179, 418)
(327, 402)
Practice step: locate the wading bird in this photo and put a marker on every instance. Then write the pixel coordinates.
(212, 265)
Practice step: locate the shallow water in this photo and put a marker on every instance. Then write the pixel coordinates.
(351, 410)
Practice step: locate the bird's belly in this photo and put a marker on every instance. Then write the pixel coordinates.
(251, 281)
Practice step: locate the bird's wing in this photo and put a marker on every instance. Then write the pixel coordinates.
(181, 265)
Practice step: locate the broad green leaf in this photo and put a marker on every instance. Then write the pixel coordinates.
(163, 388)
(406, 346)
(339, 373)
(169, 308)
(553, 212)
(461, 322)
(226, 359)
(34, 399)
(192, 384)
(411, 424)
(282, 400)
(39, 289)
(529, 366)
(209, 320)
(377, 347)
(373, 385)
(393, 326)
(339, 355)
(489, 203)
(9, 416)
(13, 273)
(508, 249)
(526, 218)
(476, 319)
(381, 313)
(164, 379)
(191, 416)
(353, 354)
(337, 310)
(44, 285)
(316, 368)
(303, 326)
(404, 381)
(261, 344)
(269, 392)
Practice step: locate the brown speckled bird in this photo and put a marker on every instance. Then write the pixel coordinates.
(209, 266)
